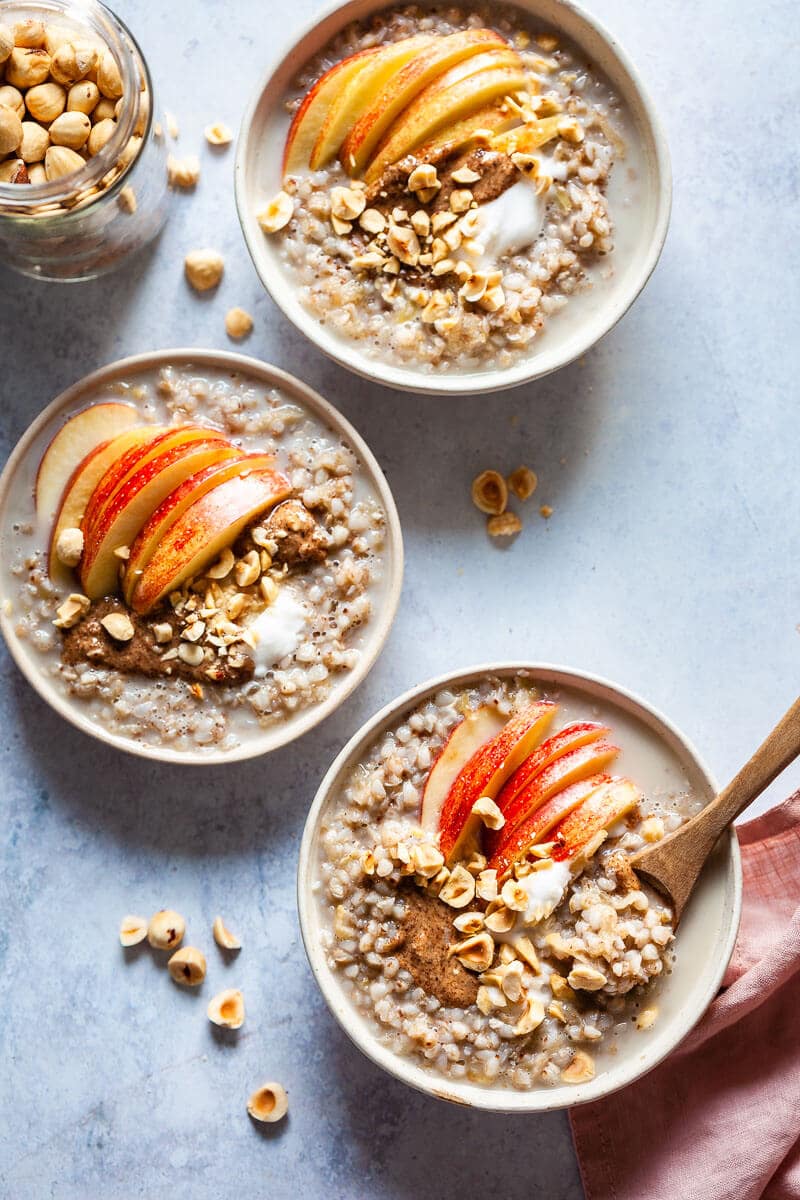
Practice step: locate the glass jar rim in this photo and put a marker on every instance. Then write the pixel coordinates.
(17, 199)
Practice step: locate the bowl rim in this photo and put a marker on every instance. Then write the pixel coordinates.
(491, 1099)
(475, 383)
(267, 740)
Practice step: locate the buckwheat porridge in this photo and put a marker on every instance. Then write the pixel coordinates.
(476, 902)
(446, 184)
(194, 557)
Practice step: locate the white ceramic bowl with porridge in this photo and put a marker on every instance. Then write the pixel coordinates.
(465, 896)
(199, 557)
(453, 198)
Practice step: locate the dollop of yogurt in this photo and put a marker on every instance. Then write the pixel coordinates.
(277, 630)
(546, 889)
(514, 219)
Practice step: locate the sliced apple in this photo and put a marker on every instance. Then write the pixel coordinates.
(477, 728)
(118, 474)
(600, 811)
(577, 733)
(537, 826)
(447, 100)
(362, 86)
(310, 116)
(134, 502)
(175, 505)
(81, 434)
(486, 772)
(404, 86)
(568, 768)
(204, 529)
(82, 483)
(494, 118)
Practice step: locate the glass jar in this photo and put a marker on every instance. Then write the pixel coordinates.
(89, 221)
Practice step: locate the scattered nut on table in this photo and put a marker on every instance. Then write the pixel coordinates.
(238, 323)
(268, 1103)
(223, 936)
(523, 482)
(227, 1009)
(204, 269)
(165, 929)
(218, 134)
(490, 493)
(503, 525)
(132, 930)
(187, 966)
(183, 172)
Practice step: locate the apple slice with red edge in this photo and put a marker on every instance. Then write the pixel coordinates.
(352, 99)
(317, 102)
(80, 487)
(164, 438)
(404, 86)
(598, 812)
(175, 504)
(450, 98)
(76, 438)
(203, 531)
(536, 827)
(135, 501)
(486, 772)
(569, 768)
(570, 737)
(478, 727)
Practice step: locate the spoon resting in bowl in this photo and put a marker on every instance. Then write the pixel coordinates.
(673, 865)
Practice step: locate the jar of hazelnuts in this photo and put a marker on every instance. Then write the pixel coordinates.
(83, 178)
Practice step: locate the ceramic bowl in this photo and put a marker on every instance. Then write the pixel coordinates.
(642, 226)
(17, 481)
(704, 940)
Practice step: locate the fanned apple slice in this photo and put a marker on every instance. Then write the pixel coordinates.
(486, 772)
(448, 99)
(406, 84)
(76, 438)
(134, 502)
(569, 768)
(126, 464)
(477, 728)
(176, 504)
(351, 100)
(599, 812)
(310, 116)
(204, 529)
(537, 826)
(80, 487)
(577, 733)
(492, 119)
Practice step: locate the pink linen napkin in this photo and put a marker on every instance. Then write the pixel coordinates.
(720, 1118)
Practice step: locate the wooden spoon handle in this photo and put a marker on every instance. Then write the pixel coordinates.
(674, 864)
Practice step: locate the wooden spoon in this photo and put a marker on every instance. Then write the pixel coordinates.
(673, 865)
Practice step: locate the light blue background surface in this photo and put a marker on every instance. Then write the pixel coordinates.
(669, 455)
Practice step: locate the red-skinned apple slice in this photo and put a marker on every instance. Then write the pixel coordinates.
(486, 772)
(362, 86)
(81, 434)
(204, 530)
(134, 503)
(80, 486)
(537, 826)
(175, 505)
(401, 89)
(600, 811)
(310, 116)
(477, 728)
(571, 767)
(450, 98)
(577, 733)
(164, 439)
